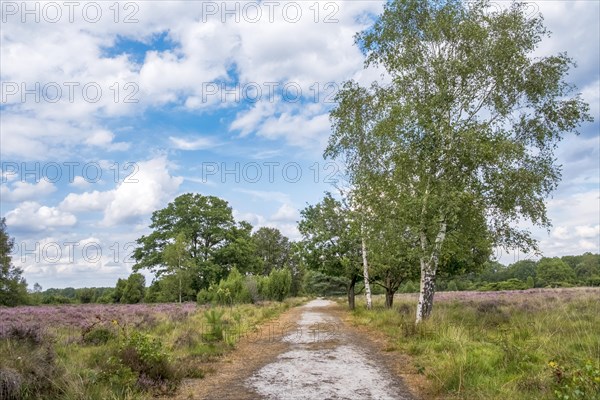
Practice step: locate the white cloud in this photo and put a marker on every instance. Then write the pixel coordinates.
(103, 138)
(198, 143)
(561, 232)
(154, 188)
(79, 182)
(143, 192)
(32, 216)
(286, 213)
(22, 191)
(87, 201)
(587, 231)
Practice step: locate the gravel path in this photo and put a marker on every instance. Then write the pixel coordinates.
(324, 362)
(307, 353)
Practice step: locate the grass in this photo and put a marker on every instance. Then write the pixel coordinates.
(128, 352)
(534, 344)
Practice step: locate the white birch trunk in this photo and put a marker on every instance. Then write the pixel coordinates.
(366, 274)
(428, 270)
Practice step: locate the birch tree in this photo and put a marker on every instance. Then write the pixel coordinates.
(467, 127)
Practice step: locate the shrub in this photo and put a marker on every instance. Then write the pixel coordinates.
(204, 296)
(578, 382)
(593, 281)
(98, 336)
(145, 356)
(409, 287)
(319, 284)
(32, 334)
(10, 384)
(251, 285)
(30, 371)
(511, 284)
(280, 283)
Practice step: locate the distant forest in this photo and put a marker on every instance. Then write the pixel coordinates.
(567, 271)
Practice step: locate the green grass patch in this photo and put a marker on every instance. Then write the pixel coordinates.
(539, 344)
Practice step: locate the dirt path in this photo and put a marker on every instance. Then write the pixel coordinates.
(307, 353)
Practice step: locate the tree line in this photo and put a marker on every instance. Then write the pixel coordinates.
(326, 262)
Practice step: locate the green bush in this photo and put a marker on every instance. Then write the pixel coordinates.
(280, 283)
(205, 296)
(593, 281)
(235, 289)
(319, 284)
(511, 284)
(98, 336)
(409, 287)
(577, 382)
(146, 356)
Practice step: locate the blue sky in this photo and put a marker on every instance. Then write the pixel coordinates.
(139, 103)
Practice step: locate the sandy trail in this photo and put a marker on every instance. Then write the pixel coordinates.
(308, 353)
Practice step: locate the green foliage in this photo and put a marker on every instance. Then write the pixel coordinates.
(511, 284)
(86, 295)
(205, 222)
(233, 290)
(134, 289)
(279, 284)
(409, 287)
(272, 249)
(241, 250)
(554, 272)
(318, 284)
(329, 245)
(579, 382)
(98, 336)
(13, 288)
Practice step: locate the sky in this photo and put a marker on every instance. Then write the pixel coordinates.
(110, 110)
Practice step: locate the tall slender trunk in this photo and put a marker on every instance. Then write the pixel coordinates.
(179, 288)
(428, 270)
(351, 293)
(366, 275)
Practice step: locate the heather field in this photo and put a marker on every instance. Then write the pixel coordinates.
(530, 344)
(118, 351)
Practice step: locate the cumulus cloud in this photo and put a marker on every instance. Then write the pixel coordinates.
(87, 201)
(142, 193)
(22, 191)
(32, 216)
(286, 213)
(154, 188)
(79, 182)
